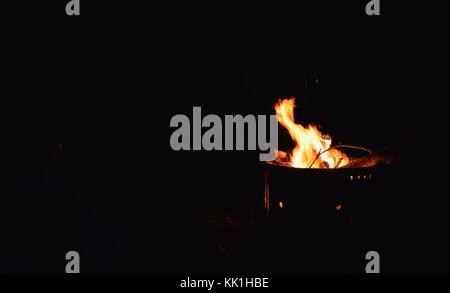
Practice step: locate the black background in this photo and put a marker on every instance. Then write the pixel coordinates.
(106, 84)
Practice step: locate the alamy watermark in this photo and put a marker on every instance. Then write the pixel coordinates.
(73, 264)
(373, 8)
(234, 127)
(373, 266)
(73, 7)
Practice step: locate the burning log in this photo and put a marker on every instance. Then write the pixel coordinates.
(314, 150)
(309, 141)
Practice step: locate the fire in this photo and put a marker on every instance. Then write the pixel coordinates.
(312, 150)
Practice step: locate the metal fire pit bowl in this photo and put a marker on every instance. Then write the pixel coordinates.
(321, 216)
(317, 192)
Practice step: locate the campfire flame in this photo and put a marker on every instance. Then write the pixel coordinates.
(312, 150)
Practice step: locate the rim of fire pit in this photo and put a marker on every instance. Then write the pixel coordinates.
(273, 165)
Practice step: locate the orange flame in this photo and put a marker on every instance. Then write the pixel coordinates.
(312, 149)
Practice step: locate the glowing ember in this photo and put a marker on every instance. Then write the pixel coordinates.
(312, 150)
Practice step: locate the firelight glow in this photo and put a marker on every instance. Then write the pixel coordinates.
(312, 150)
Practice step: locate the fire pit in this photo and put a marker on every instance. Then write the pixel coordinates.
(316, 178)
(315, 190)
